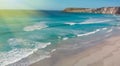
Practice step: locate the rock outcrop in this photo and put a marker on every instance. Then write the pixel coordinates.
(103, 10)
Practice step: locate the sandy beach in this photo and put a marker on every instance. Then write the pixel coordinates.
(107, 53)
(60, 33)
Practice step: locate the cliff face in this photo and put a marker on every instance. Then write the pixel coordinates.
(104, 10)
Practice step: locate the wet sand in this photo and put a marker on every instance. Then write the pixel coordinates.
(107, 53)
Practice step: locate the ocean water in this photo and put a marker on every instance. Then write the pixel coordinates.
(21, 37)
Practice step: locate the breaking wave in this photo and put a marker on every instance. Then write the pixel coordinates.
(71, 23)
(37, 26)
(89, 21)
(89, 33)
(17, 54)
(92, 21)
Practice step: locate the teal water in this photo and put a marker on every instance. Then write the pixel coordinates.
(21, 36)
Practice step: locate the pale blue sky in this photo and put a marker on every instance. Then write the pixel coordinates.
(55, 4)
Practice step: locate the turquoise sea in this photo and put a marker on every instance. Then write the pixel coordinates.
(21, 37)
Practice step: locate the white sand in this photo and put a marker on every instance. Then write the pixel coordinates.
(106, 53)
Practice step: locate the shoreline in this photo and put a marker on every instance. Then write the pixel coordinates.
(67, 49)
(100, 54)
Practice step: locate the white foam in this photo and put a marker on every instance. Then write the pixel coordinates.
(71, 23)
(107, 35)
(65, 38)
(26, 43)
(43, 45)
(37, 26)
(17, 54)
(89, 33)
(14, 56)
(92, 21)
(109, 30)
(104, 28)
(53, 50)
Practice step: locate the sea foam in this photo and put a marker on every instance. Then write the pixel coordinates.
(71, 23)
(37, 26)
(89, 21)
(110, 30)
(65, 38)
(92, 21)
(17, 54)
(104, 28)
(89, 33)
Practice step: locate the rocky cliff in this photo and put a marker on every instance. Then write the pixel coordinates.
(103, 10)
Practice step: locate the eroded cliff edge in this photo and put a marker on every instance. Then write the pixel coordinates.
(103, 10)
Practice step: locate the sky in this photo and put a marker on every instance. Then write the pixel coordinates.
(55, 4)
